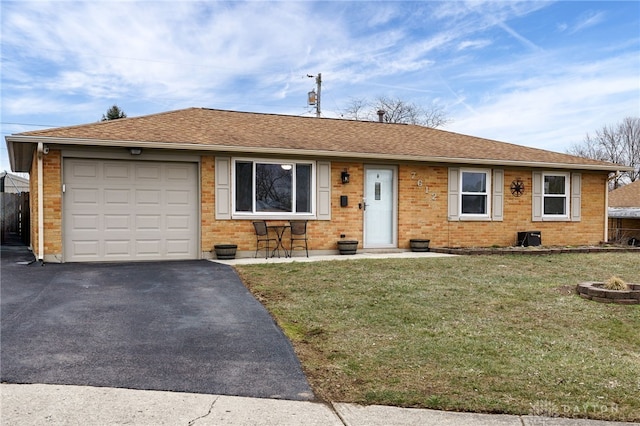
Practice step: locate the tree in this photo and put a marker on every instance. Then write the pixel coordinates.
(396, 110)
(113, 113)
(618, 144)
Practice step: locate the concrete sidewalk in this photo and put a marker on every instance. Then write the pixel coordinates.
(80, 405)
(328, 257)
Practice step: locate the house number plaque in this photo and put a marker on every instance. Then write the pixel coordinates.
(419, 182)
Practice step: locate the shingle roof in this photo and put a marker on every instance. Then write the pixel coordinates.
(626, 196)
(213, 129)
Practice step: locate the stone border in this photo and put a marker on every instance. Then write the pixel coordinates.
(592, 290)
(531, 250)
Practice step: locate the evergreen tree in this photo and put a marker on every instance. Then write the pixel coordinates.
(113, 113)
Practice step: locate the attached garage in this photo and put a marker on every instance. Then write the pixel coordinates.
(116, 210)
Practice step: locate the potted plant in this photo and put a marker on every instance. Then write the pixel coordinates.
(225, 251)
(419, 244)
(347, 246)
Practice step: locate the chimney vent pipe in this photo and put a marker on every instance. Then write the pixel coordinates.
(381, 115)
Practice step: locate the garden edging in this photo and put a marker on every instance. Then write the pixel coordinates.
(531, 250)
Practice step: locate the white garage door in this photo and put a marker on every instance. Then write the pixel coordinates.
(129, 210)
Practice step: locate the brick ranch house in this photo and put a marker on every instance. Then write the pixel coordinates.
(624, 214)
(171, 185)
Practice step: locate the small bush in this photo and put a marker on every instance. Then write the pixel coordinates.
(616, 283)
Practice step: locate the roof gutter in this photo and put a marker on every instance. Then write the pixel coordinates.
(322, 153)
(624, 212)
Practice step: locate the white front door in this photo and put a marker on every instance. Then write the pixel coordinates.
(380, 212)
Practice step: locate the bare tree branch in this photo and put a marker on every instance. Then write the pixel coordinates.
(619, 144)
(396, 110)
(630, 136)
(357, 109)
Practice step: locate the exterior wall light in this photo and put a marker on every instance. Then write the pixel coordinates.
(135, 151)
(344, 176)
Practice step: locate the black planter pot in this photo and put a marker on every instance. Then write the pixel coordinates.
(419, 245)
(225, 251)
(347, 246)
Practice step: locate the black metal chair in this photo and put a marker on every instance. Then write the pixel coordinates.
(262, 238)
(298, 229)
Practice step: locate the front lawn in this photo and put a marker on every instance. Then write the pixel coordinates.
(493, 334)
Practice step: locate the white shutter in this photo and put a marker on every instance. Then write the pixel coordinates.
(223, 188)
(576, 196)
(498, 195)
(454, 193)
(536, 194)
(323, 191)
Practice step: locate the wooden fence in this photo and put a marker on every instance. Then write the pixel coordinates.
(14, 217)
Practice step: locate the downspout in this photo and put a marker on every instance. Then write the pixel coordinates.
(40, 205)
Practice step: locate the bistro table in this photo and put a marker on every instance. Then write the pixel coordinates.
(278, 230)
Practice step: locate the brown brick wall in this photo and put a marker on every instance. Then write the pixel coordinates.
(207, 203)
(322, 234)
(52, 178)
(422, 211)
(347, 221)
(424, 215)
(52, 203)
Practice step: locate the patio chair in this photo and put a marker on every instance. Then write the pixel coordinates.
(262, 238)
(298, 235)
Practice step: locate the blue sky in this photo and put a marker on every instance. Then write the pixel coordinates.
(540, 74)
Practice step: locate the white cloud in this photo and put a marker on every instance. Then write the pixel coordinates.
(187, 50)
(551, 110)
(473, 44)
(67, 62)
(525, 41)
(382, 15)
(109, 50)
(586, 20)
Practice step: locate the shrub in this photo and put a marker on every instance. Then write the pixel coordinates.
(616, 283)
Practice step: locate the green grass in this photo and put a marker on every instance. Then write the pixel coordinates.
(494, 334)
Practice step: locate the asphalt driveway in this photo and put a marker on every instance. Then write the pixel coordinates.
(187, 326)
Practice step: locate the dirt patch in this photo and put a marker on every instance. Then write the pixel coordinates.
(565, 290)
